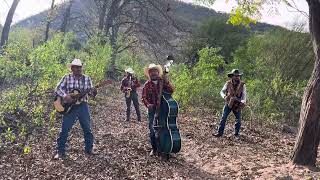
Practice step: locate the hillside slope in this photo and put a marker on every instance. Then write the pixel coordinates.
(190, 14)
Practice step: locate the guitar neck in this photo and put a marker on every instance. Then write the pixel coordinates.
(82, 94)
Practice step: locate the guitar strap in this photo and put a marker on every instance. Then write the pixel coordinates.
(83, 83)
(67, 89)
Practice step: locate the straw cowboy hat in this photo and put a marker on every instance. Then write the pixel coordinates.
(75, 62)
(153, 66)
(129, 70)
(234, 72)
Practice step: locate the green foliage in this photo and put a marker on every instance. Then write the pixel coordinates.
(9, 135)
(23, 130)
(96, 58)
(11, 69)
(11, 100)
(127, 59)
(48, 61)
(29, 37)
(52, 118)
(26, 150)
(218, 34)
(14, 61)
(245, 12)
(282, 50)
(29, 74)
(241, 16)
(201, 84)
(37, 115)
(275, 93)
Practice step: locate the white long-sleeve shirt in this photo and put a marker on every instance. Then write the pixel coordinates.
(223, 93)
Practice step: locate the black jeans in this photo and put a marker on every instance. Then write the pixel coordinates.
(134, 98)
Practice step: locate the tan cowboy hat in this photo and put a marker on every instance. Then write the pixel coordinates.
(129, 70)
(153, 66)
(75, 62)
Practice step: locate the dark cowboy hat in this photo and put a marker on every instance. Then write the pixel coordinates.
(234, 72)
(170, 57)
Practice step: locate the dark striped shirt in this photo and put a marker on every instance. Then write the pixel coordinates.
(69, 82)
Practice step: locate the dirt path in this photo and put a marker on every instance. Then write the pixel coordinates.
(123, 152)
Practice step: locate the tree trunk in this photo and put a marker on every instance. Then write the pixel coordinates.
(111, 72)
(307, 142)
(102, 15)
(7, 24)
(112, 32)
(49, 19)
(66, 18)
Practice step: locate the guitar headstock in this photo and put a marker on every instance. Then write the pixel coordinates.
(103, 83)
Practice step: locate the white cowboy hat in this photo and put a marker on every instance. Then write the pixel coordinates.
(129, 70)
(153, 66)
(234, 72)
(75, 62)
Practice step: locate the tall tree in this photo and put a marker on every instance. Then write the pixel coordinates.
(145, 21)
(306, 146)
(49, 20)
(102, 6)
(131, 24)
(307, 142)
(66, 17)
(7, 24)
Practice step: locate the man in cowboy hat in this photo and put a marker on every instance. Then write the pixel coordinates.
(75, 80)
(129, 85)
(234, 93)
(150, 96)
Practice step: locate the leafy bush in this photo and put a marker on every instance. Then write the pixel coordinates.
(217, 33)
(275, 72)
(200, 86)
(96, 58)
(29, 85)
(127, 59)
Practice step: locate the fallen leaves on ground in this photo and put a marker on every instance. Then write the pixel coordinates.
(123, 148)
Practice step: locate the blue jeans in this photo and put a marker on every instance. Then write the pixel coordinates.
(152, 135)
(82, 112)
(226, 112)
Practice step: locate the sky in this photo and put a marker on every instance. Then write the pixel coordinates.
(283, 16)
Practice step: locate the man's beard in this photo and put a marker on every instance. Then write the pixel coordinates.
(236, 81)
(77, 73)
(153, 78)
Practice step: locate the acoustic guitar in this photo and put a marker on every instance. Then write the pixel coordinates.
(63, 107)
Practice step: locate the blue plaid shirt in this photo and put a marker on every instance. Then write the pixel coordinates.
(69, 82)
